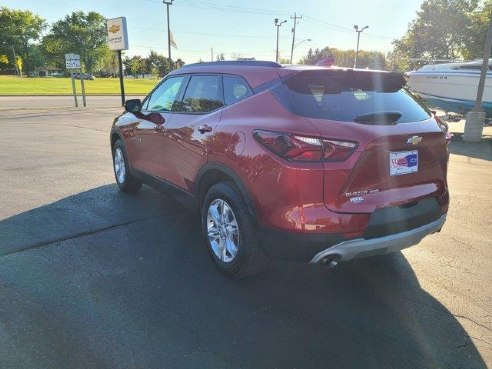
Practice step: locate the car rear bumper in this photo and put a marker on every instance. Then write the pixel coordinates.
(361, 247)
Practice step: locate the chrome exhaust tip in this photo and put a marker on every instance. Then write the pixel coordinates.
(331, 261)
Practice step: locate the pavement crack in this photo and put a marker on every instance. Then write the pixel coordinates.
(443, 310)
(471, 320)
(73, 236)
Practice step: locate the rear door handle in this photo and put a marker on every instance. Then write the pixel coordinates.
(205, 128)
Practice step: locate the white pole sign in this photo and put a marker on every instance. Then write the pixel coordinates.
(72, 61)
(117, 34)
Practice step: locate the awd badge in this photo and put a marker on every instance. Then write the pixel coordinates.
(356, 200)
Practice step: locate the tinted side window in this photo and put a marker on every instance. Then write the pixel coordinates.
(163, 97)
(235, 89)
(203, 94)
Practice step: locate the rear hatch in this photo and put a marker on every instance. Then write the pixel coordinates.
(401, 155)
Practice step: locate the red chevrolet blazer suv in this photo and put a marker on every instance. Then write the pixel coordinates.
(305, 163)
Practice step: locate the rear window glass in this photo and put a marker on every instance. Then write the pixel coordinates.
(363, 97)
(235, 89)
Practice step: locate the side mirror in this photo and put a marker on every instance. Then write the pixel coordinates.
(133, 105)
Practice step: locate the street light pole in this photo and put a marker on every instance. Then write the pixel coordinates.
(476, 117)
(359, 31)
(168, 2)
(278, 24)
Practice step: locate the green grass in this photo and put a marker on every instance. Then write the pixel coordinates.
(11, 85)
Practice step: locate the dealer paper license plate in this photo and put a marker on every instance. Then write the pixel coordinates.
(404, 162)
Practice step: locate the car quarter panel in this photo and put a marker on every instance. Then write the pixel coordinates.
(290, 194)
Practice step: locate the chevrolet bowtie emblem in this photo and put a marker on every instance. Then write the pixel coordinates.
(414, 140)
(114, 28)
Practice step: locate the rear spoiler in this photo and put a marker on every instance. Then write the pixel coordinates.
(337, 80)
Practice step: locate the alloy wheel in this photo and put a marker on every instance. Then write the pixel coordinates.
(222, 230)
(119, 165)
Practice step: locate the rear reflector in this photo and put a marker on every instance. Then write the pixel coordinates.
(304, 149)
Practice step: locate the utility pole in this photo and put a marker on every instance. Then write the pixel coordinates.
(295, 18)
(212, 54)
(359, 31)
(278, 25)
(476, 117)
(169, 2)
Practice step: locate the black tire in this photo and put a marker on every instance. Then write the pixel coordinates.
(249, 259)
(128, 183)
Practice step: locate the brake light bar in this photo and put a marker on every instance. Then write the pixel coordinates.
(304, 149)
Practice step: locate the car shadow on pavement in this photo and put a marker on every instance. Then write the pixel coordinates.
(479, 150)
(104, 279)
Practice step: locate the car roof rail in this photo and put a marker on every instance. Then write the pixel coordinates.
(242, 63)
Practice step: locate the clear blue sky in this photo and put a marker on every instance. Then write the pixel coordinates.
(244, 27)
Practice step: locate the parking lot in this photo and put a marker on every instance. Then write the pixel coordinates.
(93, 278)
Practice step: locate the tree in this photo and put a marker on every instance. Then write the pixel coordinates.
(477, 31)
(345, 58)
(109, 63)
(4, 62)
(19, 30)
(220, 57)
(19, 63)
(443, 30)
(78, 33)
(315, 56)
(158, 64)
(179, 63)
(136, 65)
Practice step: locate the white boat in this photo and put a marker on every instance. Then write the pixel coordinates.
(452, 87)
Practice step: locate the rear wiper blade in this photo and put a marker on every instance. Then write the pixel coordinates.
(380, 117)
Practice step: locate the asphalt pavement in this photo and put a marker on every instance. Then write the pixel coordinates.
(94, 278)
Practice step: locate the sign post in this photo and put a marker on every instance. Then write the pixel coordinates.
(83, 87)
(72, 62)
(118, 41)
(74, 90)
(122, 86)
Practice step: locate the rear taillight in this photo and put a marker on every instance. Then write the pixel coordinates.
(304, 149)
(444, 128)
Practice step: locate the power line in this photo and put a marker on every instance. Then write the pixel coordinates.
(343, 29)
(258, 11)
(209, 34)
(233, 8)
(230, 8)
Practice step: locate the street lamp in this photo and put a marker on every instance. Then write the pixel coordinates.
(359, 31)
(168, 2)
(300, 42)
(278, 24)
(297, 44)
